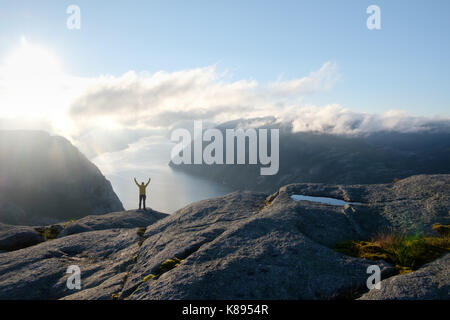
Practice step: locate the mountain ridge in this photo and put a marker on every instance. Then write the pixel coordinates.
(45, 179)
(366, 158)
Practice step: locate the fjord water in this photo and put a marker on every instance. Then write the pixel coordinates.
(169, 189)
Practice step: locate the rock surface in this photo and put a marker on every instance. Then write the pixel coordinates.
(17, 237)
(39, 272)
(431, 282)
(44, 179)
(124, 219)
(235, 248)
(103, 253)
(244, 245)
(409, 205)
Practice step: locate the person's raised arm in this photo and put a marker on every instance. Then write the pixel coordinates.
(148, 182)
(135, 181)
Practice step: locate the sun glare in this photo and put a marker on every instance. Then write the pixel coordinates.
(32, 61)
(30, 81)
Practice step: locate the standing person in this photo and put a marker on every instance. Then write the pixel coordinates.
(142, 192)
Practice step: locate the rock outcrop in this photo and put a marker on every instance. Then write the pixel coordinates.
(235, 248)
(431, 282)
(102, 252)
(244, 245)
(413, 204)
(45, 179)
(115, 220)
(39, 272)
(18, 237)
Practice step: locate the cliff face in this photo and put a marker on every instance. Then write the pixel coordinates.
(378, 157)
(244, 245)
(45, 179)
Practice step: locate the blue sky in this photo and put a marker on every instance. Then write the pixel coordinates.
(405, 65)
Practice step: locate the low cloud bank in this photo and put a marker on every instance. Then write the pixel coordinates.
(338, 120)
(110, 112)
(164, 100)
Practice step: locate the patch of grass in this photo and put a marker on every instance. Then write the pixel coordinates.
(115, 296)
(167, 265)
(268, 201)
(406, 253)
(443, 230)
(148, 277)
(403, 270)
(362, 249)
(50, 232)
(69, 222)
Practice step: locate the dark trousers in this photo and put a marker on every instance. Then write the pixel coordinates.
(142, 198)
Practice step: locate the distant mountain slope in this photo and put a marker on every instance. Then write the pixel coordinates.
(378, 157)
(45, 179)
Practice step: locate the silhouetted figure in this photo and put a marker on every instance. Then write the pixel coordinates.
(142, 192)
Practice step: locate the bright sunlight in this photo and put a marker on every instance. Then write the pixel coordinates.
(31, 82)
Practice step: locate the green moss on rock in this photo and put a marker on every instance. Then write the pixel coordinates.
(167, 265)
(148, 277)
(406, 253)
(442, 229)
(49, 232)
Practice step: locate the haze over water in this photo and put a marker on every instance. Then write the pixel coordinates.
(169, 189)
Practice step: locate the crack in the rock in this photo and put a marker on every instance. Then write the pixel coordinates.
(184, 254)
(140, 232)
(352, 221)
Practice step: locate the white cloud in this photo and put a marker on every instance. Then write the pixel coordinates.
(143, 100)
(339, 120)
(108, 112)
(162, 99)
(321, 80)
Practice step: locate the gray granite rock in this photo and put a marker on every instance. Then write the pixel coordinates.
(235, 248)
(431, 282)
(104, 291)
(18, 237)
(123, 219)
(413, 204)
(244, 245)
(39, 272)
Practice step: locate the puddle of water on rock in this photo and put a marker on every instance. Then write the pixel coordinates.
(330, 201)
